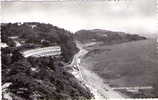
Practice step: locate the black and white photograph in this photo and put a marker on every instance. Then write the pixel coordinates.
(79, 49)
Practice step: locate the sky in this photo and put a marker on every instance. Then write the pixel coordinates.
(132, 16)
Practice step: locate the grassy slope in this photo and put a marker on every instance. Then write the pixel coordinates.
(127, 64)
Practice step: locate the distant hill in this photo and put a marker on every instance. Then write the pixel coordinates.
(150, 35)
(105, 36)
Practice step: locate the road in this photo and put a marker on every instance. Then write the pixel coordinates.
(97, 86)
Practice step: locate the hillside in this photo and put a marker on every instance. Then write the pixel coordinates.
(32, 35)
(105, 36)
(38, 78)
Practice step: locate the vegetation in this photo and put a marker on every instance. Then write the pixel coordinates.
(49, 79)
(33, 34)
(44, 78)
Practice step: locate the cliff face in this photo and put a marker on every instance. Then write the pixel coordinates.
(39, 78)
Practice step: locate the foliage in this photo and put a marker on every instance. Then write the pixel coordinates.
(40, 35)
(45, 76)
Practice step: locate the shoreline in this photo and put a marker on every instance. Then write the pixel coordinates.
(100, 90)
(127, 93)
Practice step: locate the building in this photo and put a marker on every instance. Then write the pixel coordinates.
(41, 52)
